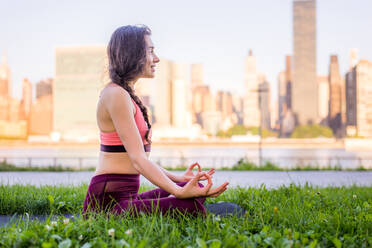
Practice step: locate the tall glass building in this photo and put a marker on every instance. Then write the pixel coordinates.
(80, 74)
(304, 87)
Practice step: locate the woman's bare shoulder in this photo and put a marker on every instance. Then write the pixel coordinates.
(115, 97)
(114, 92)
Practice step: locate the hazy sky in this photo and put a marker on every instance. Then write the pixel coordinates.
(215, 33)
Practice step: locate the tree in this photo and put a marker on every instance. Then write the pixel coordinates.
(312, 131)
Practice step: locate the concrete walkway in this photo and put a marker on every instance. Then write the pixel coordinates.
(271, 179)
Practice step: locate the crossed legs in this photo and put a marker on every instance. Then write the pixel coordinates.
(160, 200)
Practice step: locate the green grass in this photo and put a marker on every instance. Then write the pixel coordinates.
(59, 168)
(285, 217)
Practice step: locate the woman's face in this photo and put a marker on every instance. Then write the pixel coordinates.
(151, 59)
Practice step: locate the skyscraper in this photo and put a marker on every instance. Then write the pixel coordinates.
(304, 87)
(264, 102)
(282, 96)
(78, 80)
(44, 87)
(251, 105)
(201, 102)
(284, 90)
(197, 72)
(180, 115)
(4, 89)
(172, 105)
(350, 94)
(224, 103)
(323, 104)
(41, 116)
(335, 96)
(364, 98)
(5, 86)
(26, 99)
(163, 94)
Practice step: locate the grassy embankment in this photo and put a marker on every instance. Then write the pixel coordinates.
(284, 217)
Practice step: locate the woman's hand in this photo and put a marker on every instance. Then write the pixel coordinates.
(188, 175)
(192, 188)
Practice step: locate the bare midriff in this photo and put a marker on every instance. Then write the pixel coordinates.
(115, 163)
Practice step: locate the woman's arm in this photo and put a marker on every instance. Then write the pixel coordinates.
(171, 176)
(119, 106)
(118, 103)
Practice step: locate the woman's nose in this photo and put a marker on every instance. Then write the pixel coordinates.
(156, 59)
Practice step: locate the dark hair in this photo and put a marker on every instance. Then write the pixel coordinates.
(127, 57)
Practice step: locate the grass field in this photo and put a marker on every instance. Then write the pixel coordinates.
(285, 217)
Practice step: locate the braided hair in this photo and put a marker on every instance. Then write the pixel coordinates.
(127, 58)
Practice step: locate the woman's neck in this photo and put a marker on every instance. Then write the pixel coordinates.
(132, 83)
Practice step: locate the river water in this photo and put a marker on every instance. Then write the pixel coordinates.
(207, 156)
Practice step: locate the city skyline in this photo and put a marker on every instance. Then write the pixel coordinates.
(83, 68)
(195, 41)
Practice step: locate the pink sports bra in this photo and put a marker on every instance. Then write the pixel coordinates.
(110, 141)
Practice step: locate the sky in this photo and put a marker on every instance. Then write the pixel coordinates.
(216, 33)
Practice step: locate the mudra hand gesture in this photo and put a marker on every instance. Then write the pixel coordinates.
(192, 188)
(188, 175)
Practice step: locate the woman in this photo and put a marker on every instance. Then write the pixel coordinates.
(126, 140)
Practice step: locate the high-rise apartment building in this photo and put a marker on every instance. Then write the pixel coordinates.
(284, 90)
(26, 101)
(202, 99)
(264, 103)
(304, 86)
(351, 102)
(172, 104)
(224, 103)
(350, 94)
(323, 104)
(282, 96)
(5, 77)
(41, 116)
(14, 110)
(197, 82)
(335, 96)
(181, 113)
(44, 87)
(163, 94)
(364, 98)
(353, 58)
(359, 100)
(251, 105)
(78, 81)
(288, 79)
(4, 89)
(197, 73)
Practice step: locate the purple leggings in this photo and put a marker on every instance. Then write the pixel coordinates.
(118, 193)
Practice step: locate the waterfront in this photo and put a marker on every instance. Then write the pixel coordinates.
(217, 156)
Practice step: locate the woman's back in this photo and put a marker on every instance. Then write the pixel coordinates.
(114, 162)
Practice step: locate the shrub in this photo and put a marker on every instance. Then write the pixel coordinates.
(312, 131)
